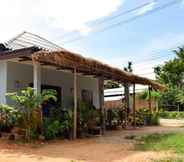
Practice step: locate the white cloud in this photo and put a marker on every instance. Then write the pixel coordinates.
(73, 15)
(47, 15)
(146, 8)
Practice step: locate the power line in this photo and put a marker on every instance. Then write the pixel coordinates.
(112, 17)
(156, 55)
(145, 73)
(152, 59)
(128, 20)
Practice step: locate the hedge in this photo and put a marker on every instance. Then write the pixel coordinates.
(171, 115)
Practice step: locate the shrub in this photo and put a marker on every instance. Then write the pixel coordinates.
(144, 117)
(51, 129)
(154, 119)
(59, 124)
(89, 116)
(28, 105)
(8, 117)
(171, 115)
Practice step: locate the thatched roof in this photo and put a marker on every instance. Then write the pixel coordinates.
(64, 59)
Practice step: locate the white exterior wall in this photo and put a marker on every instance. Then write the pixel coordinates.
(21, 75)
(3, 83)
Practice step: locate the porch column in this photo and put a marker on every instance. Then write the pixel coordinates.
(3, 81)
(36, 77)
(101, 101)
(149, 100)
(134, 106)
(75, 105)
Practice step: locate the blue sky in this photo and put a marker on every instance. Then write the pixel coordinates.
(140, 41)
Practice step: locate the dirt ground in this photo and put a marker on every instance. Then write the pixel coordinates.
(112, 147)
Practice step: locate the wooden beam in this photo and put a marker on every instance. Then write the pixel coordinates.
(24, 58)
(134, 107)
(18, 53)
(75, 104)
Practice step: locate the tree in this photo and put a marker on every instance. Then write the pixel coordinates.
(129, 67)
(172, 74)
(28, 104)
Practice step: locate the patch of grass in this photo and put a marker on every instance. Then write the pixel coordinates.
(158, 142)
(169, 160)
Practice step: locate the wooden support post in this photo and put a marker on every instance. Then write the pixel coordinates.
(101, 104)
(37, 87)
(149, 100)
(75, 104)
(134, 106)
(37, 77)
(126, 99)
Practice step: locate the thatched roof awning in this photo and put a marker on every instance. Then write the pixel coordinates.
(68, 60)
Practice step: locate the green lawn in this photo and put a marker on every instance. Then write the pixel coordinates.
(162, 142)
(169, 160)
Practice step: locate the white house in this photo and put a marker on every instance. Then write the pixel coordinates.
(29, 60)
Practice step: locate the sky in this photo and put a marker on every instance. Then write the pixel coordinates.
(79, 25)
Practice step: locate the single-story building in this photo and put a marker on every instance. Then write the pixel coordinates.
(29, 60)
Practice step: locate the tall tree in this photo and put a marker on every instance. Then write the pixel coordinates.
(172, 72)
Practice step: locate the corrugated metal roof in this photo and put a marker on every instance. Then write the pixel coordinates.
(27, 39)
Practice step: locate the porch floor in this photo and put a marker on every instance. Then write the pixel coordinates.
(112, 147)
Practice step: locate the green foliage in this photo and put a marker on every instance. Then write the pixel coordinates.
(8, 117)
(171, 115)
(115, 117)
(172, 74)
(154, 95)
(180, 96)
(58, 124)
(144, 117)
(52, 129)
(160, 142)
(169, 99)
(88, 116)
(28, 104)
(171, 159)
(154, 119)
